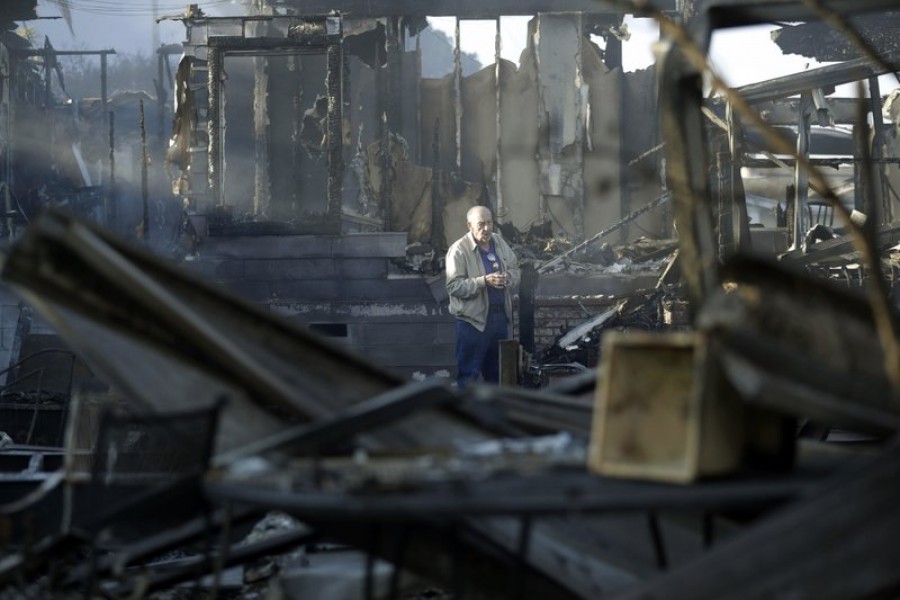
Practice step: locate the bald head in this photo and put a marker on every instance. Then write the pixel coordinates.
(481, 223)
(478, 213)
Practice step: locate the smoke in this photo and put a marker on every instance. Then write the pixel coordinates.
(128, 27)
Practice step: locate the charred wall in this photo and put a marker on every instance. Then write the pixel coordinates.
(538, 141)
(556, 136)
(342, 287)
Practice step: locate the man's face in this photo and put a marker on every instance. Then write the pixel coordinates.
(481, 225)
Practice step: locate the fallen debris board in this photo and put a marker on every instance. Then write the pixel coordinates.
(840, 543)
(661, 412)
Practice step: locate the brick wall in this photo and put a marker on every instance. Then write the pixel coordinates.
(554, 316)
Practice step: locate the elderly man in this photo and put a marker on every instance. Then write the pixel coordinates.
(481, 272)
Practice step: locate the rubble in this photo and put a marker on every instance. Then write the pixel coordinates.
(242, 445)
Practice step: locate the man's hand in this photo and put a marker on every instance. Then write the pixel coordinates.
(497, 280)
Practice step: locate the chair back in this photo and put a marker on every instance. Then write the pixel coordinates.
(152, 448)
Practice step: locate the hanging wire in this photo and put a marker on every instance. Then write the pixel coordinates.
(116, 8)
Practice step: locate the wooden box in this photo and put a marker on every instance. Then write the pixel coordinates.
(662, 410)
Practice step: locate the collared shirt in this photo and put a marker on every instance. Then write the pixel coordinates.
(465, 279)
(492, 264)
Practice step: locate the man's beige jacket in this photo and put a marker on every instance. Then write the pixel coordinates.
(465, 279)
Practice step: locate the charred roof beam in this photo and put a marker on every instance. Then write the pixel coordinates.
(824, 77)
(722, 14)
(464, 9)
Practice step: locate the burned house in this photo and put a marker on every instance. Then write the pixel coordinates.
(259, 433)
(339, 101)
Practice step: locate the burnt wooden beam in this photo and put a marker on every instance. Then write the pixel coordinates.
(157, 544)
(840, 543)
(168, 574)
(823, 77)
(357, 419)
(739, 13)
(834, 163)
(438, 237)
(215, 122)
(527, 288)
(768, 374)
(841, 248)
(542, 495)
(509, 362)
(680, 102)
(464, 9)
(785, 111)
(550, 264)
(799, 345)
(809, 315)
(542, 411)
(334, 187)
(54, 52)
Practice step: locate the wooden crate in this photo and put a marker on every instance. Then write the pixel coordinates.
(662, 410)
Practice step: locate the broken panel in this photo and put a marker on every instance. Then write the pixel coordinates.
(297, 62)
(563, 106)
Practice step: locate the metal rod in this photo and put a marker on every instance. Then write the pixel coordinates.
(877, 154)
(517, 589)
(43, 52)
(145, 192)
(578, 182)
(801, 176)
(614, 53)
(551, 494)
(386, 168)
(104, 98)
(397, 562)
(394, 97)
(659, 546)
(112, 216)
(48, 53)
(8, 167)
(369, 580)
(604, 232)
(709, 529)
(214, 89)
(160, 103)
(526, 306)
(262, 181)
(500, 209)
(335, 135)
(360, 418)
(420, 142)
(437, 201)
(457, 96)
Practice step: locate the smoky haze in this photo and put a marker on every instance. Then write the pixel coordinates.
(129, 27)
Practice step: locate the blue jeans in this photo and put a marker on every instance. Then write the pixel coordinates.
(477, 352)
